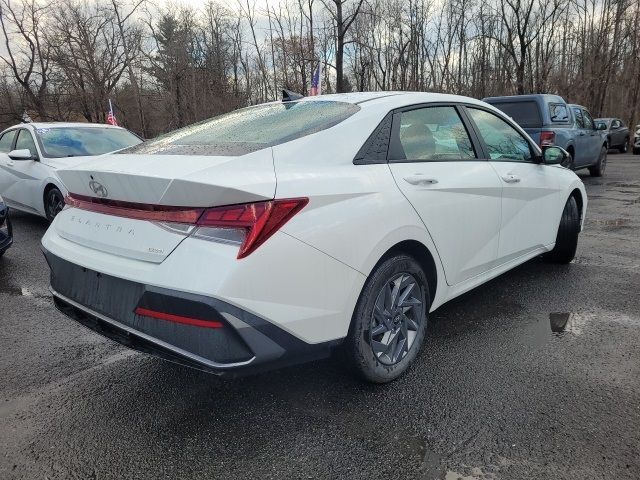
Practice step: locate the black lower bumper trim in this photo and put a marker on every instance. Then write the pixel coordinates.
(105, 304)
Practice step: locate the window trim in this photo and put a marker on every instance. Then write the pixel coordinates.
(536, 152)
(478, 144)
(15, 137)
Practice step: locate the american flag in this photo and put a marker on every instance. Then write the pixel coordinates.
(111, 117)
(316, 83)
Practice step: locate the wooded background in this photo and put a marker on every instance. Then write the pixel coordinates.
(165, 66)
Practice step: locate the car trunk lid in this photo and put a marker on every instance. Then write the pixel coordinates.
(127, 188)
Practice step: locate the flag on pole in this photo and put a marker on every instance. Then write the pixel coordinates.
(111, 117)
(316, 81)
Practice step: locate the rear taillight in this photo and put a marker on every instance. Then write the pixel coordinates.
(547, 139)
(248, 225)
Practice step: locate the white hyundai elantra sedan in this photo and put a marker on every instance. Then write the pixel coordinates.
(31, 154)
(281, 232)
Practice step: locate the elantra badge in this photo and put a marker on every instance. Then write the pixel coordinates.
(99, 189)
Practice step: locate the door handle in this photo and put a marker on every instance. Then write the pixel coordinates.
(10, 163)
(419, 179)
(510, 178)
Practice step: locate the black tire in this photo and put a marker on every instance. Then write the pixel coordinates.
(624, 148)
(600, 166)
(568, 231)
(377, 366)
(53, 203)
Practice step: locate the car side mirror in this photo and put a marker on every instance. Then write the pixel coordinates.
(22, 154)
(554, 155)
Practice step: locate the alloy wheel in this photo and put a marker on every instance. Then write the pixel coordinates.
(55, 203)
(397, 315)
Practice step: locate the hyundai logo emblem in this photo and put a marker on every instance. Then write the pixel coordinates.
(99, 189)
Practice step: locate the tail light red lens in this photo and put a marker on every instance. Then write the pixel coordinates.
(547, 139)
(251, 223)
(137, 211)
(248, 225)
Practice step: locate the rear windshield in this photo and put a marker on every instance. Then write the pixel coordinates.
(525, 114)
(78, 141)
(249, 129)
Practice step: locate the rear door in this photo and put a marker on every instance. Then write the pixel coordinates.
(530, 195)
(457, 194)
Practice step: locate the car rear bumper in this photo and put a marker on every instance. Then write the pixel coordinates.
(242, 343)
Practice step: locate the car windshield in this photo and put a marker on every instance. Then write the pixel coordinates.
(60, 142)
(249, 129)
(525, 114)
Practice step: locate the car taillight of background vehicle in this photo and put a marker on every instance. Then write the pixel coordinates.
(248, 225)
(547, 139)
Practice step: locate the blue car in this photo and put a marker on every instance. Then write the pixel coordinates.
(550, 121)
(6, 234)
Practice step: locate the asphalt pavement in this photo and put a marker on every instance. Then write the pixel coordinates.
(535, 375)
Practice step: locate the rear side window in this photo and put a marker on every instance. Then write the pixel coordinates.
(558, 113)
(525, 114)
(6, 141)
(249, 129)
(431, 134)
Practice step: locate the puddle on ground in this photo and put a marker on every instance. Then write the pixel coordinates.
(562, 323)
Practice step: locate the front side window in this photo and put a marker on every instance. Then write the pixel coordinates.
(6, 141)
(25, 141)
(503, 141)
(432, 134)
(249, 129)
(579, 118)
(61, 142)
(588, 121)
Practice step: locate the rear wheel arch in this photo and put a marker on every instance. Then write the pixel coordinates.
(422, 255)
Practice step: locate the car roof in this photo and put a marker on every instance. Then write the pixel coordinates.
(392, 99)
(38, 125)
(523, 98)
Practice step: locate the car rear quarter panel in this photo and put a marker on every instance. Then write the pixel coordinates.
(356, 213)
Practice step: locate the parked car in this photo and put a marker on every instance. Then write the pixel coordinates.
(636, 141)
(277, 232)
(617, 133)
(549, 120)
(31, 154)
(6, 233)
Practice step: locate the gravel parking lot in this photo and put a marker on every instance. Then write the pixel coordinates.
(535, 375)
